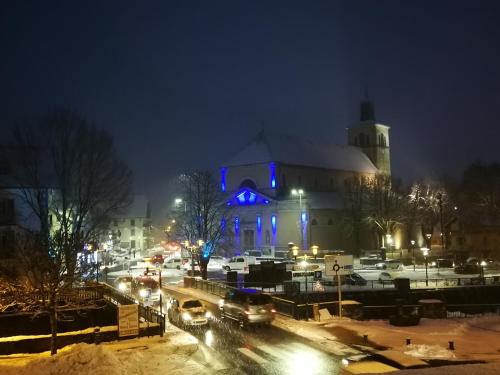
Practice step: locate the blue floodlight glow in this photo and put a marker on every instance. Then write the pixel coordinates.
(266, 201)
(246, 196)
(303, 217)
(223, 179)
(259, 224)
(273, 223)
(236, 224)
(272, 170)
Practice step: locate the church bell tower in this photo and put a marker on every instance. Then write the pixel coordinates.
(371, 137)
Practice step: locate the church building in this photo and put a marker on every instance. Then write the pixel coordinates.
(283, 189)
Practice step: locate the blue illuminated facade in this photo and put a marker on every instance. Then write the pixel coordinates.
(272, 172)
(223, 179)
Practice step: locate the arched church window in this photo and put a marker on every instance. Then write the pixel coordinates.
(268, 237)
(314, 222)
(248, 184)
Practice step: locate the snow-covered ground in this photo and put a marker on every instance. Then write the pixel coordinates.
(173, 354)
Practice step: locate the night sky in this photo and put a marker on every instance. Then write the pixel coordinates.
(184, 85)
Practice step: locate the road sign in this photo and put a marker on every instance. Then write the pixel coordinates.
(338, 265)
(128, 320)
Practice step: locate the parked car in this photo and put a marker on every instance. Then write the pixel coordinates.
(385, 278)
(467, 268)
(157, 259)
(355, 279)
(188, 313)
(247, 306)
(173, 263)
(216, 262)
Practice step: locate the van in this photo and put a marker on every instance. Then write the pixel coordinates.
(173, 263)
(240, 263)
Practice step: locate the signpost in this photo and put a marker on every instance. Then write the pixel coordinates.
(337, 265)
(128, 320)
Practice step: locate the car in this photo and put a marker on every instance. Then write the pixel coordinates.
(173, 263)
(385, 278)
(247, 307)
(190, 265)
(355, 279)
(147, 289)
(380, 266)
(216, 262)
(188, 312)
(157, 259)
(124, 284)
(467, 268)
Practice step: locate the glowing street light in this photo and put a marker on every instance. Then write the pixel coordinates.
(295, 251)
(314, 249)
(425, 252)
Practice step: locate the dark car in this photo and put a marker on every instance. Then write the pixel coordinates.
(355, 279)
(467, 268)
(247, 306)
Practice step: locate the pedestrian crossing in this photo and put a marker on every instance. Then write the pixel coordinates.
(283, 356)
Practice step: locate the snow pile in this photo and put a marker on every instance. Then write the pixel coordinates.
(80, 359)
(429, 351)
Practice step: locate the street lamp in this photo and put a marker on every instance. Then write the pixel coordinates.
(178, 202)
(299, 193)
(425, 252)
(304, 266)
(314, 249)
(482, 264)
(412, 242)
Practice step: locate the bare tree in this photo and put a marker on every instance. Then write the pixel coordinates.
(204, 216)
(67, 172)
(385, 207)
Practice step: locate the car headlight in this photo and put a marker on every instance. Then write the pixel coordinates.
(143, 293)
(208, 315)
(186, 316)
(122, 287)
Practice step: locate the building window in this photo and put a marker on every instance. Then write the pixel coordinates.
(330, 222)
(132, 244)
(314, 222)
(268, 237)
(132, 222)
(248, 238)
(132, 232)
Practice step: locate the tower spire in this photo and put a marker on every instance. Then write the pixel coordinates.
(367, 109)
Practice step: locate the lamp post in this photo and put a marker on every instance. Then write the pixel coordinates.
(314, 249)
(425, 252)
(299, 193)
(178, 201)
(482, 264)
(295, 252)
(440, 203)
(304, 265)
(412, 242)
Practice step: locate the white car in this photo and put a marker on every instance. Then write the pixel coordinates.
(173, 263)
(385, 278)
(216, 262)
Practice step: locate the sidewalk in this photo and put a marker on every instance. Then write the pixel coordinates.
(475, 339)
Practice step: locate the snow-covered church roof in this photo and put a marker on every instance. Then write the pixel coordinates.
(286, 149)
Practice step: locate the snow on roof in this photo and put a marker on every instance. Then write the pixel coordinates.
(292, 150)
(138, 208)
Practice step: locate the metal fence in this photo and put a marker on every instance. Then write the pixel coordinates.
(148, 314)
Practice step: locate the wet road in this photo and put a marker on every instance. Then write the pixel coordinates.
(259, 350)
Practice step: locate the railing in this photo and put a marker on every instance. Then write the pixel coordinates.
(148, 314)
